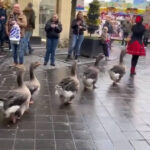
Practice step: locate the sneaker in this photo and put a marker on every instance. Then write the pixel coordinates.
(68, 58)
(13, 65)
(53, 65)
(45, 64)
(31, 51)
(20, 65)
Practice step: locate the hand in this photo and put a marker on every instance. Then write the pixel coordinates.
(13, 22)
(2, 17)
(53, 25)
(78, 22)
(80, 27)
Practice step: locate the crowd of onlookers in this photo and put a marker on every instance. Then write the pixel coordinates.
(16, 28)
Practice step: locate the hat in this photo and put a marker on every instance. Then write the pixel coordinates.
(139, 19)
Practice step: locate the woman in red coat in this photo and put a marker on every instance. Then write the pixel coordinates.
(135, 46)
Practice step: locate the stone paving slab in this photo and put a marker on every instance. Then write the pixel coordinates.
(108, 118)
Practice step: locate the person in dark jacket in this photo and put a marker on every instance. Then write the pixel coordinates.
(3, 19)
(30, 15)
(53, 28)
(108, 24)
(78, 27)
(126, 27)
(135, 46)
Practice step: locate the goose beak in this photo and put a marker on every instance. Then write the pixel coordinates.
(38, 64)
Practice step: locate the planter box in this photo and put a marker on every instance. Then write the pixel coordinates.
(91, 47)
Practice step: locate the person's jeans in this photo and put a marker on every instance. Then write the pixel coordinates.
(125, 35)
(27, 37)
(18, 51)
(51, 49)
(76, 44)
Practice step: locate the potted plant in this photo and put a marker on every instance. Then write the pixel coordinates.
(91, 44)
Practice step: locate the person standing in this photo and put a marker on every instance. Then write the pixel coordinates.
(78, 27)
(136, 47)
(53, 29)
(15, 18)
(105, 41)
(146, 35)
(126, 27)
(30, 15)
(3, 18)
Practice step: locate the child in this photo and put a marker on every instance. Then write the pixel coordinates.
(105, 37)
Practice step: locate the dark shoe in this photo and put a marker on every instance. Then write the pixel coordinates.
(53, 65)
(68, 58)
(133, 74)
(132, 71)
(31, 51)
(45, 64)
(76, 57)
(25, 54)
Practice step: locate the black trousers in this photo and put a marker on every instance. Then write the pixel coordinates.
(134, 60)
(105, 49)
(145, 40)
(125, 35)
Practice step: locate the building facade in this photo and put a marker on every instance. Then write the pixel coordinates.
(44, 10)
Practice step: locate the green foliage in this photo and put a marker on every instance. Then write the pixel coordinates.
(93, 20)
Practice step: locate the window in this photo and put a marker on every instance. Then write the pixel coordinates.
(47, 8)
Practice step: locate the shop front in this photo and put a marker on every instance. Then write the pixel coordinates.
(44, 10)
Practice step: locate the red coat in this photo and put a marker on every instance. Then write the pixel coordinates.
(136, 46)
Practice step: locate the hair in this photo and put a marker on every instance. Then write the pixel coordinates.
(55, 15)
(80, 12)
(30, 5)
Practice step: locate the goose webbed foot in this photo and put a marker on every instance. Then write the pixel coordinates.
(94, 86)
(85, 89)
(31, 101)
(115, 84)
(13, 119)
(70, 100)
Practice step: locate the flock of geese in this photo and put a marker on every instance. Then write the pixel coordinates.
(17, 101)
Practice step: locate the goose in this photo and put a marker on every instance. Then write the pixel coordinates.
(118, 71)
(33, 84)
(90, 75)
(67, 89)
(16, 102)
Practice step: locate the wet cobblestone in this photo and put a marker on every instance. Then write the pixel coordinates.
(108, 118)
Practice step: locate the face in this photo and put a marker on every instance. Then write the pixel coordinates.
(1, 4)
(80, 15)
(16, 8)
(54, 18)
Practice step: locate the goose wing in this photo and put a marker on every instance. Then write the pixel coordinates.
(32, 87)
(118, 69)
(14, 98)
(91, 73)
(69, 84)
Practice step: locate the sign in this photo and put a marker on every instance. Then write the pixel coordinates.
(80, 5)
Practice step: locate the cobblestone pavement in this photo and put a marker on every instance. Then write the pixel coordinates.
(108, 118)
